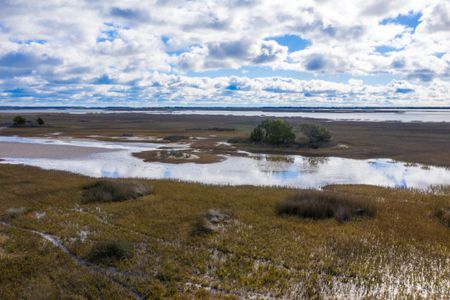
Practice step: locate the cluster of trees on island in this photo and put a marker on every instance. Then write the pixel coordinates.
(280, 132)
(21, 121)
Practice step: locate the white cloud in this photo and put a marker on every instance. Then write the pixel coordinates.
(65, 47)
(161, 89)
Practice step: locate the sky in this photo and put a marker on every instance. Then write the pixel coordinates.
(225, 53)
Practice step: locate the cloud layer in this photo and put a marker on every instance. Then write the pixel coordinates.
(147, 52)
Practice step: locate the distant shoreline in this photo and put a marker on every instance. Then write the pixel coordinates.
(404, 114)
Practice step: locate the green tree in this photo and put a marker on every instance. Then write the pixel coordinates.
(276, 132)
(19, 120)
(257, 134)
(316, 134)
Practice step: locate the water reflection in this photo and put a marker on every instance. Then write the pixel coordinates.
(292, 170)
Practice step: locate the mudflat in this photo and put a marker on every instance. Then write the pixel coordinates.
(14, 149)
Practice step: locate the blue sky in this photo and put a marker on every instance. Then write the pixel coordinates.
(225, 53)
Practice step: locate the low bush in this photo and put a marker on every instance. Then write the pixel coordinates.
(443, 214)
(315, 134)
(110, 191)
(108, 251)
(324, 204)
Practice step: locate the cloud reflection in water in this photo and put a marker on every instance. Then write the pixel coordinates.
(264, 170)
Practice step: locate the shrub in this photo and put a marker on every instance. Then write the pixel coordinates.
(274, 132)
(174, 138)
(443, 214)
(40, 121)
(210, 222)
(110, 191)
(19, 120)
(316, 134)
(107, 251)
(323, 205)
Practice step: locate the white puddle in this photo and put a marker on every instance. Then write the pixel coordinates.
(114, 159)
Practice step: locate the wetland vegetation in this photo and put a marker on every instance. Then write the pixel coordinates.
(69, 236)
(400, 251)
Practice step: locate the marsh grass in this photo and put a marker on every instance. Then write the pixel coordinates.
(168, 272)
(107, 251)
(316, 205)
(401, 254)
(179, 157)
(111, 191)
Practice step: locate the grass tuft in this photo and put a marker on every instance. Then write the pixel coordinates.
(324, 205)
(168, 272)
(443, 214)
(210, 222)
(15, 212)
(107, 251)
(111, 191)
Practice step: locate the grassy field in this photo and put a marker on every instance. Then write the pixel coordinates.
(403, 251)
(412, 142)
